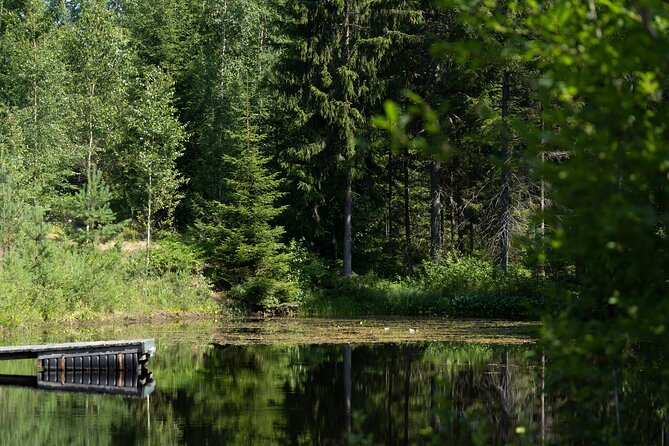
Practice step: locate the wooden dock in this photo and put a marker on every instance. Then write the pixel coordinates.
(84, 356)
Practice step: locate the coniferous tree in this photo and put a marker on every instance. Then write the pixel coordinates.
(93, 217)
(241, 240)
(23, 231)
(329, 81)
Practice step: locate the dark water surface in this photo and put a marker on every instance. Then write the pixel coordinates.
(267, 383)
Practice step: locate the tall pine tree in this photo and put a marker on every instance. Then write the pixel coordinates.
(329, 83)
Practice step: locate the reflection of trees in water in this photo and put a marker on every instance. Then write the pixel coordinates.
(626, 403)
(300, 395)
(487, 400)
(396, 392)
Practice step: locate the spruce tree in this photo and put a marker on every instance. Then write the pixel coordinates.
(329, 82)
(241, 240)
(93, 217)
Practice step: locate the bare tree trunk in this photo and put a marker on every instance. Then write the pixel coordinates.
(542, 228)
(451, 212)
(435, 210)
(389, 220)
(148, 226)
(408, 261)
(348, 200)
(506, 160)
(348, 230)
(459, 219)
(442, 226)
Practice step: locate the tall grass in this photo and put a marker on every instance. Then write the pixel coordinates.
(465, 287)
(68, 282)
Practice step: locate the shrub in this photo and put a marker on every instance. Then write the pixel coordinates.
(172, 253)
(71, 282)
(264, 293)
(466, 287)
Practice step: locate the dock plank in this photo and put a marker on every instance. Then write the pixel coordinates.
(141, 346)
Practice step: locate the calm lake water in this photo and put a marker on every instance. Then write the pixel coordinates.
(300, 382)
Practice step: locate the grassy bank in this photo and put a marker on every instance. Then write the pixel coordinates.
(465, 287)
(64, 282)
(58, 281)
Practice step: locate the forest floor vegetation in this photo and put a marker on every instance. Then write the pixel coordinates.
(67, 283)
(463, 287)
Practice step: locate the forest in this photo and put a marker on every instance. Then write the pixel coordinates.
(344, 157)
(458, 158)
(383, 157)
(154, 153)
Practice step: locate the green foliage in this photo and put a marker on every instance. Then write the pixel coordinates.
(335, 61)
(612, 118)
(470, 275)
(313, 272)
(34, 82)
(148, 177)
(22, 227)
(465, 287)
(603, 126)
(87, 282)
(177, 254)
(241, 244)
(93, 219)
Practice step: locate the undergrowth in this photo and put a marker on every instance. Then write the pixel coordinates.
(464, 287)
(62, 282)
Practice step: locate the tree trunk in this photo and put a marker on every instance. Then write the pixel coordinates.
(148, 226)
(542, 228)
(348, 200)
(389, 220)
(435, 210)
(451, 211)
(506, 160)
(459, 219)
(408, 261)
(348, 230)
(91, 141)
